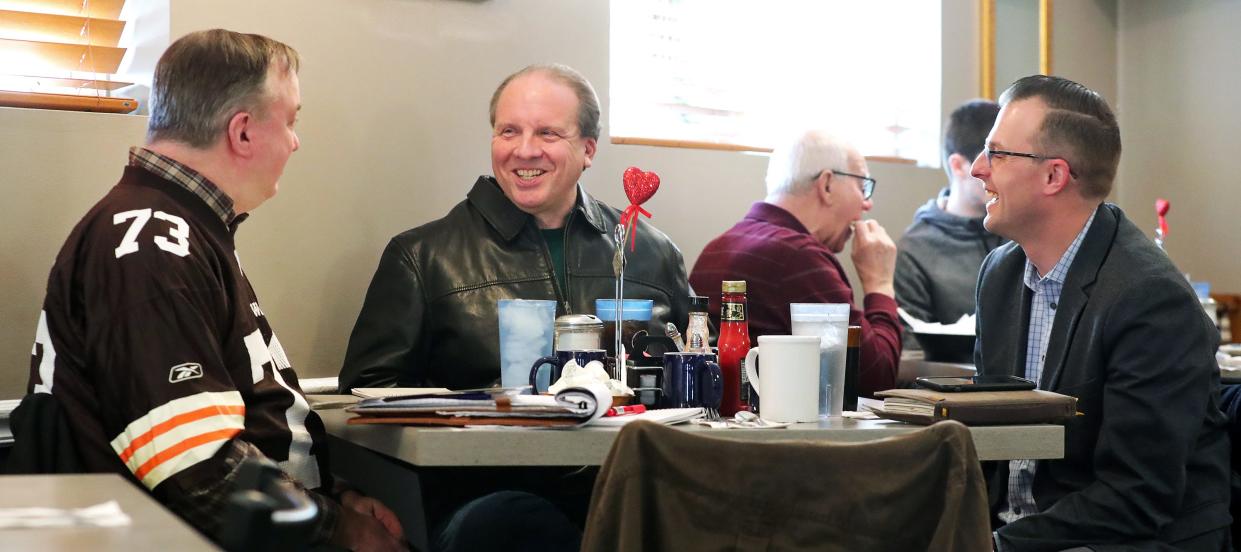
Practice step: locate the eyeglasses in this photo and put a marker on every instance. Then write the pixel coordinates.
(868, 183)
(991, 154)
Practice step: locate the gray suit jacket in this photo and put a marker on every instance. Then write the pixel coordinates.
(1146, 462)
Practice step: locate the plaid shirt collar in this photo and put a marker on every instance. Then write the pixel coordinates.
(187, 178)
(1059, 272)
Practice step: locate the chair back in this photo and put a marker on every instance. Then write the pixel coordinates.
(266, 512)
(667, 489)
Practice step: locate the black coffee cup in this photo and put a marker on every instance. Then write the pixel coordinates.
(691, 380)
(559, 359)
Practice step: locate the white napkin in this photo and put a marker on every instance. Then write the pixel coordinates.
(593, 373)
(107, 514)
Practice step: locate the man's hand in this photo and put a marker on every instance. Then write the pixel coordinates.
(368, 506)
(366, 524)
(874, 257)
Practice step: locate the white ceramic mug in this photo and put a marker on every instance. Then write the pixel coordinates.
(789, 387)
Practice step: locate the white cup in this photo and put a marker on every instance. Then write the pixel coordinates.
(789, 387)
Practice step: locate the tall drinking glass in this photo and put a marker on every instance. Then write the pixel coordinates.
(525, 336)
(829, 321)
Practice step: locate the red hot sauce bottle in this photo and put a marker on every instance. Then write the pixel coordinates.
(734, 343)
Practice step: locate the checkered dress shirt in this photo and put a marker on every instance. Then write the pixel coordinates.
(187, 178)
(1042, 314)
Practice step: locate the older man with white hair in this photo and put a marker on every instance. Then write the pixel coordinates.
(818, 188)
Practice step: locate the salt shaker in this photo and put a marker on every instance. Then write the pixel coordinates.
(697, 335)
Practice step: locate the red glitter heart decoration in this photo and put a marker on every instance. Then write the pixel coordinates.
(639, 185)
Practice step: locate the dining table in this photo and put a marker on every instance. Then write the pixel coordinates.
(389, 461)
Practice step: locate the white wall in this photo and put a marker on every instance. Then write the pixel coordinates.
(394, 131)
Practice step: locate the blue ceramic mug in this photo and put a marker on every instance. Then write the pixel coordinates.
(692, 380)
(557, 362)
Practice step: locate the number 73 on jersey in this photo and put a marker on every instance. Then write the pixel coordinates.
(179, 245)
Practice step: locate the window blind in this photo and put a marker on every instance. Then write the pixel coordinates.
(62, 54)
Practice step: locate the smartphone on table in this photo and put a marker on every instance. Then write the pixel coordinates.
(975, 383)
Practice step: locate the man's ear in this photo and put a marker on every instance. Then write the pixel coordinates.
(590, 153)
(823, 187)
(238, 138)
(1057, 178)
(959, 165)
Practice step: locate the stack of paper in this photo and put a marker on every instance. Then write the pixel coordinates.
(665, 416)
(378, 392)
(574, 406)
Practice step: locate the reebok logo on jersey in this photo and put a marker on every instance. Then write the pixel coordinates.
(187, 371)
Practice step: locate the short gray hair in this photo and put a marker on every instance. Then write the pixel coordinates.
(206, 77)
(795, 165)
(587, 101)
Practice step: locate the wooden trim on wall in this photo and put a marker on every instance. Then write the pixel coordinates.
(1044, 36)
(986, 49)
(891, 159)
(717, 146)
(67, 102)
(665, 143)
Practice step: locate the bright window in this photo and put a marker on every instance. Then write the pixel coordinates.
(62, 54)
(747, 72)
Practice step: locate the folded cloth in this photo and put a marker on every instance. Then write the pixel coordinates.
(107, 514)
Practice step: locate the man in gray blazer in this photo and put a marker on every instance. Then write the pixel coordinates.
(1083, 303)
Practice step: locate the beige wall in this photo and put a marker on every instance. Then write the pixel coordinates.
(45, 189)
(394, 131)
(1084, 44)
(1181, 129)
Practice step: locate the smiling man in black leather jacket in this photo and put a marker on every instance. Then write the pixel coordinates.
(529, 232)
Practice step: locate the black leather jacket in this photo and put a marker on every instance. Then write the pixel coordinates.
(430, 319)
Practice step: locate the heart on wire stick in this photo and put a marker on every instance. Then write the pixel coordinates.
(639, 185)
(1161, 208)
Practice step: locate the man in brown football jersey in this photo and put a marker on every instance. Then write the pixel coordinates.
(152, 342)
